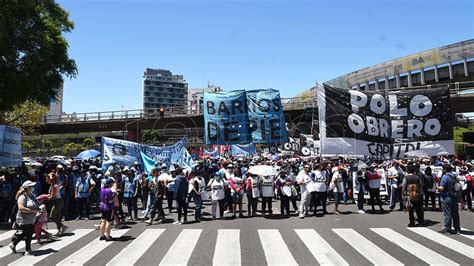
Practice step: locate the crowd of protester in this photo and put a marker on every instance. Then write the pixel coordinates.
(302, 186)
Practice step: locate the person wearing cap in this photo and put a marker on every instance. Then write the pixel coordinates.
(28, 206)
(285, 186)
(180, 194)
(198, 186)
(107, 205)
(217, 184)
(338, 183)
(373, 178)
(83, 188)
(130, 194)
(62, 180)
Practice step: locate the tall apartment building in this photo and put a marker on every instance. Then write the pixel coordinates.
(163, 89)
(196, 98)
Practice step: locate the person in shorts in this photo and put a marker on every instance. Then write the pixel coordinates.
(106, 208)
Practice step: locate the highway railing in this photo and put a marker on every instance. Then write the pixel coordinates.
(192, 108)
(175, 111)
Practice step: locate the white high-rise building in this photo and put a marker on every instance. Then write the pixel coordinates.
(196, 98)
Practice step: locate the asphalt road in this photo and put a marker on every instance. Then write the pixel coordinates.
(352, 238)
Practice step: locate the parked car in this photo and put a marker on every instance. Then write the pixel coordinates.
(30, 163)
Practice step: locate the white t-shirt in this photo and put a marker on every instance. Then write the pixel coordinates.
(238, 181)
(339, 184)
(268, 186)
(303, 176)
(217, 186)
(201, 184)
(394, 171)
(320, 180)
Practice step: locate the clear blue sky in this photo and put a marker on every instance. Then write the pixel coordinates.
(285, 45)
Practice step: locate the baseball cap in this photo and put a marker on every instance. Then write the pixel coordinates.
(28, 183)
(59, 166)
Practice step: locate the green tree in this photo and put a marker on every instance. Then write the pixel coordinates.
(33, 51)
(27, 147)
(47, 145)
(151, 136)
(71, 149)
(29, 116)
(88, 142)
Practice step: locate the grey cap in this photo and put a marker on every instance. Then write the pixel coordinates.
(28, 183)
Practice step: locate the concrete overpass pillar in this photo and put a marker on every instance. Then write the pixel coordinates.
(436, 73)
(387, 85)
(422, 76)
(358, 86)
(377, 83)
(409, 79)
(466, 70)
(397, 80)
(367, 87)
(450, 67)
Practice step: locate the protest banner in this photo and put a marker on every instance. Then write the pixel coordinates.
(10, 149)
(225, 118)
(385, 124)
(243, 150)
(126, 153)
(238, 117)
(266, 120)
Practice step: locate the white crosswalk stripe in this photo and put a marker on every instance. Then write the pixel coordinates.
(467, 233)
(227, 250)
(87, 252)
(6, 235)
(366, 248)
(132, 253)
(450, 243)
(5, 251)
(276, 251)
(320, 249)
(182, 248)
(57, 245)
(413, 247)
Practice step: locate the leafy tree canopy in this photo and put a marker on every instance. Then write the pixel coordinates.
(33, 51)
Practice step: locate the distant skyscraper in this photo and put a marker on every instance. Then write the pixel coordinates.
(196, 97)
(163, 89)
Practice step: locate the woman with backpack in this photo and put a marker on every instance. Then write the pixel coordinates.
(25, 217)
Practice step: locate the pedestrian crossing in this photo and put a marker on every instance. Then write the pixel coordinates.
(277, 247)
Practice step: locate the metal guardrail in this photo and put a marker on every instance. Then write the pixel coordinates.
(176, 111)
(295, 103)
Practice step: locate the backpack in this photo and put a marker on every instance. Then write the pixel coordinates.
(413, 193)
(455, 190)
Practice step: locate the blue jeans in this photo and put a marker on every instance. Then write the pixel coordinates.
(451, 214)
(396, 196)
(198, 205)
(149, 203)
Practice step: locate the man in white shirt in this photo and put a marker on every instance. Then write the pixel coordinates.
(303, 179)
(396, 175)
